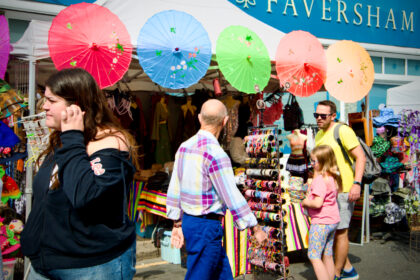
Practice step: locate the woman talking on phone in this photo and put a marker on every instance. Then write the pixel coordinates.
(78, 227)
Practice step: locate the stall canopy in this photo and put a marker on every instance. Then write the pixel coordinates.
(214, 15)
(404, 97)
(33, 43)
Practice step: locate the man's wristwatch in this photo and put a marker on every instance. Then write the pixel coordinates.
(357, 183)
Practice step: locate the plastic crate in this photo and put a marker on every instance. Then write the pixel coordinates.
(147, 233)
(8, 268)
(168, 253)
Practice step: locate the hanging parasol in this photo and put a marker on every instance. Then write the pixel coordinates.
(91, 37)
(4, 45)
(301, 63)
(350, 71)
(174, 49)
(243, 59)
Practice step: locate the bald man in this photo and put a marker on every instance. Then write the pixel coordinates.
(202, 187)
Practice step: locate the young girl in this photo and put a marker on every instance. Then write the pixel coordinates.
(323, 210)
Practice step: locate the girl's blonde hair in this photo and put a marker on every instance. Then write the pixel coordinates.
(327, 163)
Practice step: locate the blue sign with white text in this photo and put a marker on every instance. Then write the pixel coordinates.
(65, 2)
(385, 22)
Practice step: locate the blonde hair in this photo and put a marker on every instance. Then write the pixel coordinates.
(327, 163)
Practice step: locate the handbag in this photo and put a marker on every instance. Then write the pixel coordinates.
(292, 114)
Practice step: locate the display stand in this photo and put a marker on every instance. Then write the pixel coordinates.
(365, 224)
(263, 193)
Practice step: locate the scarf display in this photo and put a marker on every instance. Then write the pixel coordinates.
(297, 230)
(236, 246)
(153, 202)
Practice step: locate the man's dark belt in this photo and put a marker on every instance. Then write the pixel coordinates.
(211, 216)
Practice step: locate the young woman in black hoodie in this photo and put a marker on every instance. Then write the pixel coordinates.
(78, 227)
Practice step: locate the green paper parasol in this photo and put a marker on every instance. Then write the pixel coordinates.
(243, 59)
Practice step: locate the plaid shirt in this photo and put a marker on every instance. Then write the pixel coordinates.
(203, 182)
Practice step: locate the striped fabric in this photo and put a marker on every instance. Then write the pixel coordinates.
(297, 229)
(235, 241)
(358, 208)
(133, 201)
(202, 182)
(236, 246)
(153, 202)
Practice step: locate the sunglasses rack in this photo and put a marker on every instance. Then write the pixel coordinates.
(37, 134)
(263, 191)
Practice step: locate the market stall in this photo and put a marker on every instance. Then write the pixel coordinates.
(145, 103)
(405, 97)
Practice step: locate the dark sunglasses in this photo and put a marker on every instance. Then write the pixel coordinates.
(323, 116)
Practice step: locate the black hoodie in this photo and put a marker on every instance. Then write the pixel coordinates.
(84, 222)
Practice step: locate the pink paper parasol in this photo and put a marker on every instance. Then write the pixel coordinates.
(91, 37)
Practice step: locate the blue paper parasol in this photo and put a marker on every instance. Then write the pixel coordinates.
(174, 49)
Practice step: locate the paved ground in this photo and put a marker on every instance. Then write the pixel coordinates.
(375, 260)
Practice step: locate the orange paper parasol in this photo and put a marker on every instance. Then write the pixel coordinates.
(350, 71)
(301, 63)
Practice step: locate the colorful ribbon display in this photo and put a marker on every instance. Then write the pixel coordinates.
(262, 162)
(263, 206)
(261, 195)
(263, 192)
(271, 173)
(267, 216)
(273, 232)
(262, 143)
(264, 185)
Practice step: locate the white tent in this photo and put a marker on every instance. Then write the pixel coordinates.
(214, 15)
(34, 42)
(404, 97)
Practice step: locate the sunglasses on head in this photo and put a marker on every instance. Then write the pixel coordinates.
(323, 116)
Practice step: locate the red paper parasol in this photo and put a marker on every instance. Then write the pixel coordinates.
(91, 37)
(301, 63)
(4, 45)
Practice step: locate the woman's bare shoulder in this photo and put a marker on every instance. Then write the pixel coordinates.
(114, 141)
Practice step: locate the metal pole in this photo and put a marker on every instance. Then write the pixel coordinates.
(367, 223)
(342, 111)
(31, 105)
(367, 120)
(29, 167)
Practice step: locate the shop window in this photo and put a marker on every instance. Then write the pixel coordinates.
(377, 64)
(394, 66)
(413, 67)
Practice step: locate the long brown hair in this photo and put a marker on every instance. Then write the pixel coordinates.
(77, 86)
(327, 162)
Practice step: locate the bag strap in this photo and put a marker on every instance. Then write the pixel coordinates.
(290, 99)
(125, 203)
(337, 138)
(293, 99)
